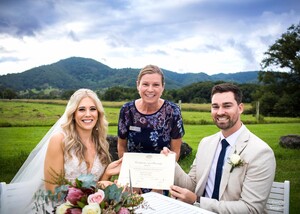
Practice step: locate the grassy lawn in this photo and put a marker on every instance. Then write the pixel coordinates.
(28, 122)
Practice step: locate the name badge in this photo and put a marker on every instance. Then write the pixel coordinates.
(135, 128)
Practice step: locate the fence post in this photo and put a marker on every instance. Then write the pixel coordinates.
(257, 111)
(179, 104)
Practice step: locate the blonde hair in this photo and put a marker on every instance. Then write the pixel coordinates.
(99, 132)
(151, 69)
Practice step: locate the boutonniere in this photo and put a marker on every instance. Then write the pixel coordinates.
(235, 160)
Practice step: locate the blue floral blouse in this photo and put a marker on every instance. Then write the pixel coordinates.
(149, 133)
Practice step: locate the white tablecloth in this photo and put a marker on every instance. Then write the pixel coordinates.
(158, 203)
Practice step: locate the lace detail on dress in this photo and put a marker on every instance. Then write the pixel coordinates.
(73, 170)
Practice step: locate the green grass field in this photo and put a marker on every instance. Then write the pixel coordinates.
(26, 123)
(23, 113)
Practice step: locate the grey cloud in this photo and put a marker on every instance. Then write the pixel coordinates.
(186, 50)
(213, 47)
(143, 26)
(201, 49)
(160, 52)
(133, 19)
(9, 59)
(116, 41)
(4, 50)
(245, 51)
(25, 17)
(73, 36)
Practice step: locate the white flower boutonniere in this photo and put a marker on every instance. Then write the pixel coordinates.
(235, 160)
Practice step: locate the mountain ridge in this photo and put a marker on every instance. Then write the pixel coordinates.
(77, 72)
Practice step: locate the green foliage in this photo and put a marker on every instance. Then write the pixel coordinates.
(280, 91)
(7, 93)
(279, 95)
(284, 53)
(120, 94)
(85, 181)
(200, 92)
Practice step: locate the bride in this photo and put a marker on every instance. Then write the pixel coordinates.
(75, 145)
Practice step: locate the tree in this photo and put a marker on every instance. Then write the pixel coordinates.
(285, 52)
(279, 94)
(8, 94)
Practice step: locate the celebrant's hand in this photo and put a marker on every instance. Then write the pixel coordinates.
(166, 151)
(183, 194)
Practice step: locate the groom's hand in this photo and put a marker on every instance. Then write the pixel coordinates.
(183, 194)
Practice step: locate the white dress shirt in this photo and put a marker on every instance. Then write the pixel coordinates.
(211, 177)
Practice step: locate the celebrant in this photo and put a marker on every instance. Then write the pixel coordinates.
(148, 124)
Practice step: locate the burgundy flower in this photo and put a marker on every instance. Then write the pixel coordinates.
(74, 195)
(73, 211)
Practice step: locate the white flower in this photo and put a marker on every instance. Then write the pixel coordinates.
(235, 159)
(92, 208)
(61, 209)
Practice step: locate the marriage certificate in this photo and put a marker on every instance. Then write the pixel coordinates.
(147, 170)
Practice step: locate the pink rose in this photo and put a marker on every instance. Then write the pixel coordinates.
(74, 195)
(123, 210)
(97, 197)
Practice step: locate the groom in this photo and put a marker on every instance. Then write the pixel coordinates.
(235, 179)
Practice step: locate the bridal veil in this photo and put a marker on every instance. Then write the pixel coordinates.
(30, 177)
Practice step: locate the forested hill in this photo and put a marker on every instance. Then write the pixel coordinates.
(77, 72)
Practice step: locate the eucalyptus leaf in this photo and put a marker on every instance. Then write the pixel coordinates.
(87, 180)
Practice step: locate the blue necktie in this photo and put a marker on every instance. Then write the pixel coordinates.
(215, 194)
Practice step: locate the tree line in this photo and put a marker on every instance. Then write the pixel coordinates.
(195, 93)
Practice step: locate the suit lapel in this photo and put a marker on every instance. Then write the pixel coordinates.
(208, 158)
(241, 143)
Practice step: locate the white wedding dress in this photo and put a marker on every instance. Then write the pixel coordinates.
(73, 169)
(30, 176)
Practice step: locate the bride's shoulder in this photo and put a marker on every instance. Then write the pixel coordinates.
(57, 139)
(58, 136)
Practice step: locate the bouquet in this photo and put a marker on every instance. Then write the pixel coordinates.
(87, 197)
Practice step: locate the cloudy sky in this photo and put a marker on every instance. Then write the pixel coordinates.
(210, 36)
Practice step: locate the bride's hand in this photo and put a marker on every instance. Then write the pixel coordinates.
(114, 167)
(104, 184)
